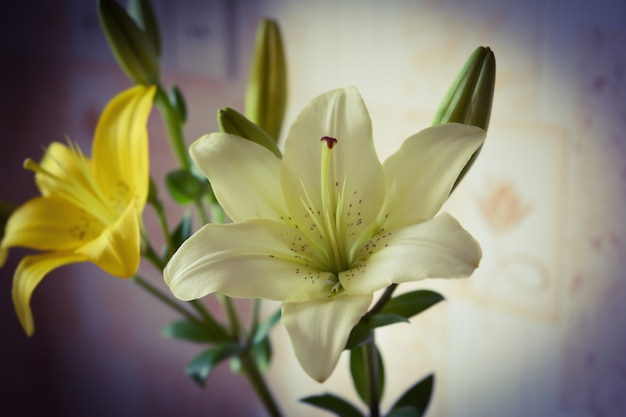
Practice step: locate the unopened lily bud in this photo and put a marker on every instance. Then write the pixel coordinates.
(143, 13)
(132, 47)
(266, 96)
(469, 99)
(233, 122)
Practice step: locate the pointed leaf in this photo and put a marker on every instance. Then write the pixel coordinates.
(263, 330)
(418, 396)
(360, 334)
(334, 404)
(178, 102)
(263, 354)
(411, 303)
(381, 319)
(201, 366)
(182, 232)
(184, 187)
(189, 331)
(405, 412)
(360, 374)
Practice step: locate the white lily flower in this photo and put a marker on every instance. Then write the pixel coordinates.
(328, 225)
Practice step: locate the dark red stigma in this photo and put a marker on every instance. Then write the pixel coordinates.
(330, 142)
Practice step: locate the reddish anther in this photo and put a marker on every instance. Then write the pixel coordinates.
(330, 142)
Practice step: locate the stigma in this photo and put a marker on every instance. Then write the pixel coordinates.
(330, 142)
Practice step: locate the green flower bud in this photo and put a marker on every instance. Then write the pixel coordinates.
(134, 51)
(231, 121)
(469, 99)
(266, 96)
(143, 13)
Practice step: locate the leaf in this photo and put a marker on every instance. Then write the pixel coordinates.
(201, 366)
(405, 412)
(418, 396)
(411, 303)
(181, 232)
(184, 187)
(178, 102)
(360, 334)
(189, 331)
(263, 330)
(333, 404)
(360, 374)
(263, 354)
(380, 320)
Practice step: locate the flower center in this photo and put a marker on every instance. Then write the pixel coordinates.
(75, 186)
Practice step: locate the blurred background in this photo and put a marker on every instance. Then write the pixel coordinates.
(538, 330)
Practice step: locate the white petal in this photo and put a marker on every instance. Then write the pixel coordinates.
(438, 248)
(355, 168)
(253, 259)
(320, 329)
(244, 175)
(420, 175)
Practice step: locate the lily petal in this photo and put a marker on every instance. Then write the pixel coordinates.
(50, 224)
(29, 273)
(253, 259)
(228, 159)
(355, 171)
(120, 147)
(65, 165)
(117, 249)
(319, 330)
(438, 248)
(434, 157)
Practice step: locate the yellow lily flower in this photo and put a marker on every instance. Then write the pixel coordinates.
(89, 210)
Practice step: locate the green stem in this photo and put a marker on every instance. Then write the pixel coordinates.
(154, 291)
(165, 229)
(174, 128)
(213, 325)
(373, 373)
(258, 383)
(232, 315)
(201, 212)
(382, 301)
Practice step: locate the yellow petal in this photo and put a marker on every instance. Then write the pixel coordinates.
(28, 275)
(116, 250)
(50, 223)
(65, 165)
(120, 147)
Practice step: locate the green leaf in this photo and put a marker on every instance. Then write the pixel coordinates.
(184, 187)
(360, 373)
(130, 45)
(382, 319)
(201, 366)
(143, 13)
(182, 231)
(360, 334)
(264, 328)
(333, 404)
(405, 412)
(263, 354)
(418, 396)
(409, 304)
(188, 330)
(178, 102)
